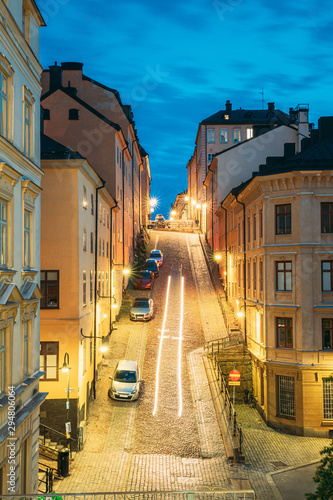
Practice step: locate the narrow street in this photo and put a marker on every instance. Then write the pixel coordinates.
(170, 439)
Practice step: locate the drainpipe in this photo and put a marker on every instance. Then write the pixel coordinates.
(111, 261)
(226, 249)
(135, 140)
(244, 253)
(95, 287)
(123, 235)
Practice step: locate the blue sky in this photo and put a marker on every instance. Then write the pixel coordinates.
(176, 62)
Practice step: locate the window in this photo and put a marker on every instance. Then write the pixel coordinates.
(107, 249)
(92, 204)
(3, 104)
(84, 239)
(103, 248)
(248, 229)
(84, 198)
(99, 283)
(104, 216)
(283, 219)
(2, 362)
(226, 117)
(91, 351)
(107, 219)
(84, 288)
(286, 396)
(100, 212)
(73, 114)
(237, 135)
(254, 228)
(49, 360)
(254, 275)
(210, 135)
(91, 242)
(327, 276)
(99, 247)
(103, 283)
(327, 398)
(117, 155)
(249, 133)
(283, 276)
(107, 283)
(91, 287)
(327, 217)
(3, 234)
(249, 274)
(223, 135)
(25, 349)
(261, 228)
(27, 235)
(210, 157)
(284, 332)
(49, 281)
(327, 330)
(27, 127)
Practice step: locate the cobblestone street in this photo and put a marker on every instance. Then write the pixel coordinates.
(127, 447)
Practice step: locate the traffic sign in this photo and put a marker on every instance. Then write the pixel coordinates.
(234, 382)
(234, 375)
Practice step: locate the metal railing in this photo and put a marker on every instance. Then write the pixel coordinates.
(216, 493)
(47, 433)
(229, 410)
(216, 346)
(46, 480)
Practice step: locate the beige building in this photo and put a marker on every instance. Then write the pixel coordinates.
(276, 238)
(20, 181)
(77, 283)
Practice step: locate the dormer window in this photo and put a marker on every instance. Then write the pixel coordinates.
(226, 117)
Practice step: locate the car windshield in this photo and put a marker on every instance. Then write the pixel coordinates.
(125, 376)
(145, 275)
(155, 254)
(141, 303)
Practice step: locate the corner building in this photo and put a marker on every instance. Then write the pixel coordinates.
(278, 239)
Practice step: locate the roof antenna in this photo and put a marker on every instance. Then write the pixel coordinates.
(262, 98)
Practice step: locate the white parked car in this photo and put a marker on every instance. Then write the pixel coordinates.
(125, 382)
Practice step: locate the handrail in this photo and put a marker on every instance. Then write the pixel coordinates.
(48, 477)
(54, 430)
(215, 345)
(233, 426)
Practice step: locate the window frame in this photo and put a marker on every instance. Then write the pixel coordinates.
(3, 226)
(290, 414)
(44, 354)
(329, 271)
(330, 328)
(328, 396)
(52, 281)
(284, 272)
(25, 349)
(328, 213)
(224, 134)
(84, 288)
(285, 327)
(236, 135)
(284, 217)
(3, 363)
(211, 135)
(4, 97)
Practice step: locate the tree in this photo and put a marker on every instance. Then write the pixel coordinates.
(324, 476)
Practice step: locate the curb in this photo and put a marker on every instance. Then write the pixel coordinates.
(271, 482)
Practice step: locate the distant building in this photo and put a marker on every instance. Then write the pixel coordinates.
(20, 182)
(76, 281)
(276, 239)
(181, 207)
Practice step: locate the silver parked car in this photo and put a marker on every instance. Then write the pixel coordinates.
(142, 309)
(125, 382)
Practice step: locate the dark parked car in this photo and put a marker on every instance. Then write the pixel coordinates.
(151, 265)
(144, 280)
(158, 256)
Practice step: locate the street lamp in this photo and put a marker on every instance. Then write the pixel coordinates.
(65, 369)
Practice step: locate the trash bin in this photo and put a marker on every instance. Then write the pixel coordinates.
(63, 462)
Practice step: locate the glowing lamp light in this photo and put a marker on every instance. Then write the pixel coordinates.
(103, 348)
(193, 202)
(240, 314)
(173, 212)
(153, 202)
(105, 315)
(115, 306)
(217, 257)
(186, 198)
(171, 218)
(198, 206)
(126, 271)
(151, 210)
(204, 206)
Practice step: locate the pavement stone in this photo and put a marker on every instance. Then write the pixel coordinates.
(127, 449)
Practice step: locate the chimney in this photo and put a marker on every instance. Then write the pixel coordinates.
(55, 76)
(271, 106)
(325, 127)
(228, 106)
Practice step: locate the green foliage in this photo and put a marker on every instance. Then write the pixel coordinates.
(324, 477)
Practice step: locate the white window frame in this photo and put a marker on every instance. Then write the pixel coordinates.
(223, 135)
(28, 130)
(27, 216)
(211, 135)
(25, 349)
(3, 233)
(84, 288)
(236, 134)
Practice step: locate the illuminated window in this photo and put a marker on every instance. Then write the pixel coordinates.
(249, 133)
(49, 360)
(84, 199)
(211, 135)
(283, 276)
(284, 327)
(223, 135)
(84, 288)
(103, 284)
(237, 135)
(91, 287)
(84, 239)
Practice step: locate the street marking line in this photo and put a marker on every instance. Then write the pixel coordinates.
(156, 241)
(160, 347)
(180, 350)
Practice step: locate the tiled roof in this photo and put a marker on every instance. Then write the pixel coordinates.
(244, 116)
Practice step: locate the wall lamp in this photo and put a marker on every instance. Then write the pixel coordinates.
(103, 347)
(114, 305)
(240, 313)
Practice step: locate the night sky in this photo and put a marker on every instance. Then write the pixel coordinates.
(176, 62)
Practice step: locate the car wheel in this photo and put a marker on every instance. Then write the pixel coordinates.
(109, 393)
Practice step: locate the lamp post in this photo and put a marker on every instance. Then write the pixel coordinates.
(65, 369)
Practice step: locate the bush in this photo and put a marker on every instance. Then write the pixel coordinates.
(324, 476)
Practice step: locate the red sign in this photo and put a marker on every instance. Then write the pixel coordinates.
(234, 375)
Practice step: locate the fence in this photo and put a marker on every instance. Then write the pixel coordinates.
(217, 493)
